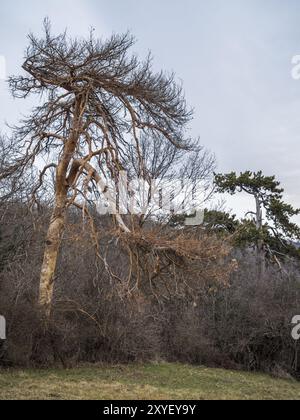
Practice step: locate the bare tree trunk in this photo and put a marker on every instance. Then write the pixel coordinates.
(57, 223)
(260, 245)
(53, 241)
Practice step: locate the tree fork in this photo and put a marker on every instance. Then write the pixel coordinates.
(57, 223)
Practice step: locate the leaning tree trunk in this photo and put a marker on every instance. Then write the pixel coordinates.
(57, 223)
(53, 241)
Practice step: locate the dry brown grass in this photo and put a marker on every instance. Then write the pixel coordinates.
(144, 382)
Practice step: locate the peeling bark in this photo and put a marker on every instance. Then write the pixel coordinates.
(57, 223)
(53, 241)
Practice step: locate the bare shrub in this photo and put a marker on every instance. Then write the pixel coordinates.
(202, 313)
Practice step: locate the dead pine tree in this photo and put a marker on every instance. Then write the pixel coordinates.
(95, 100)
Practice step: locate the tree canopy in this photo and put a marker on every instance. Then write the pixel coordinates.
(271, 224)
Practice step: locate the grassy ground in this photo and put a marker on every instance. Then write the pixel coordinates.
(143, 382)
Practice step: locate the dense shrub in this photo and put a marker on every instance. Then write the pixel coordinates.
(244, 324)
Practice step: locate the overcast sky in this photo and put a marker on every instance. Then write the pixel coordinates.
(233, 57)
